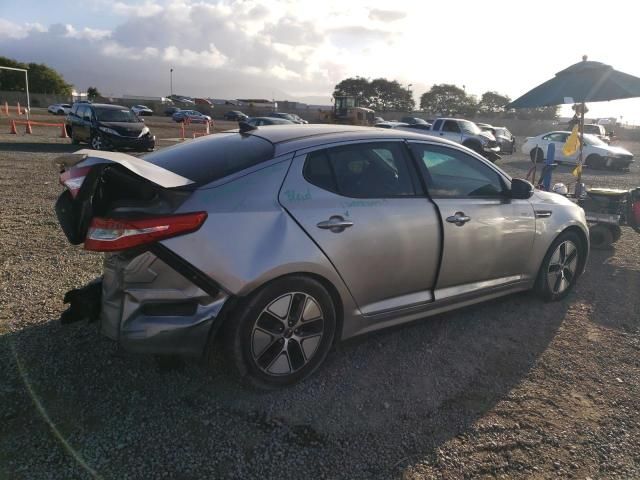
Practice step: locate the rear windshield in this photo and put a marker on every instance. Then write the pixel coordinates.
(213, 157)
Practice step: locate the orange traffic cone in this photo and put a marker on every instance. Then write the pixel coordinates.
(207, 129)
(28, 129)
(6, 108)
(13, 128)
(19, 109)
(63, 132)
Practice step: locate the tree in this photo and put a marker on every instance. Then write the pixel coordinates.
(42, 79)
(493, 102)
(447, 99)
(379, 94)
(93, 93)
(541, 113)
(358, 87)
(390, 95)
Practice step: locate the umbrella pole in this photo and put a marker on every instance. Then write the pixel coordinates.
(578, 189)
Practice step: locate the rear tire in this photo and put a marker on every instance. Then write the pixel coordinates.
(537, 155)
(560, 267)
(595, 161)
(281, 334)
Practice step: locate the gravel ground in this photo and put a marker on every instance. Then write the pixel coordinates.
(513, 388)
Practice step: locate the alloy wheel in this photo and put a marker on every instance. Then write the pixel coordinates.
(96, 142)
(562, 267)
(287, 333)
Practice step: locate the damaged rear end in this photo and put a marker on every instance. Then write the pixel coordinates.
(148, 299)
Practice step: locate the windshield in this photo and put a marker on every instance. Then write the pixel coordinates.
(113, 115)
(469, 127)
(593, 140)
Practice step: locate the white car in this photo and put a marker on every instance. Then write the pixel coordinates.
(142, 110)
(59, 108)
(597, 154)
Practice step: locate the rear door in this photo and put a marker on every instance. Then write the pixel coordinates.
(361, 204)
(487, 236)
(559, 139)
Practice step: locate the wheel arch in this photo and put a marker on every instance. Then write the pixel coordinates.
(584, 240)
(237, 302)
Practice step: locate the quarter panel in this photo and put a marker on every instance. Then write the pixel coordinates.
(249, 239)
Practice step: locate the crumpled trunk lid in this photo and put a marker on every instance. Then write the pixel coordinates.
(117, 184)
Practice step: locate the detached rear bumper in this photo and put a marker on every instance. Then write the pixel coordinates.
(147, 306)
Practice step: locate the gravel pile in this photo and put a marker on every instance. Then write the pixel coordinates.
(514, 388)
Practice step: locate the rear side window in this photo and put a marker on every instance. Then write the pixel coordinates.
(213, 157)
(364, 170)
(437, 124)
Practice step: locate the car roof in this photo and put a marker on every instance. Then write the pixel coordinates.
(108, 106)
(292, 137)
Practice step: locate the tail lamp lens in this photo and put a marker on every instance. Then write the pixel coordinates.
(109, 235)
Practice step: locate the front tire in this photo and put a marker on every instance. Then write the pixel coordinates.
(282, 333)
(97, 142)
(561, 267)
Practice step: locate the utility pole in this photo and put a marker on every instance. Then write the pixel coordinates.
(171, 82)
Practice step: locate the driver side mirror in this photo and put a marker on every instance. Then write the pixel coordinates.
(520, 189)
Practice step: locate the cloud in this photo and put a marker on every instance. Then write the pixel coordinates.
(386, 15)
(146, 9)
(227, 48)
(13, 30)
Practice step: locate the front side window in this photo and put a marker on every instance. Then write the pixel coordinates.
(365, 170)
(450, 173)
(437, 124)
(451, 126)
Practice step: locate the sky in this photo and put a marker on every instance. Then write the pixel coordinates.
(286, 49)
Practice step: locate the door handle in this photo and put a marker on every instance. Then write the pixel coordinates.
(336, 224)
(459, 219)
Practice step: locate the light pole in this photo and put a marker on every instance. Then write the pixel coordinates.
(409, 96)
(171, 82)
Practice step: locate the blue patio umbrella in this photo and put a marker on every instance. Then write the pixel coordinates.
(583, 82)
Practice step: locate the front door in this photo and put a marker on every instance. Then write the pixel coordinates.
(362, 205)
(487, 236)
(451, 131)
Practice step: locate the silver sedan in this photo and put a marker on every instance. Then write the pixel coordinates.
(276, 243)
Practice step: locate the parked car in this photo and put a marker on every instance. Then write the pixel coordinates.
(596, 153)
(597, 130)
(169, 111)
(203, 101)
(286, 116)
(468, 134)
(268, 242)
(263, 121)
(235, 115)
(378, 120)
(108, 127)
(59, 108)
(142, 110)
(193, 115)
(506, 140)
(413, 120)
(298, 118)
(419, 127)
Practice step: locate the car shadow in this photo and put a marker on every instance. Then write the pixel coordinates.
(38, 147)
(416, 386)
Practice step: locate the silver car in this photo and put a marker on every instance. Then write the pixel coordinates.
(282, 241)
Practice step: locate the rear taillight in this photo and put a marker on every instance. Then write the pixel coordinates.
(108, 235)
(73, 178)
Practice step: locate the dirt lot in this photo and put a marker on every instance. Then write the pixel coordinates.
(514, 388)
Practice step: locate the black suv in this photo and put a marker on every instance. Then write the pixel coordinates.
(106, 127)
